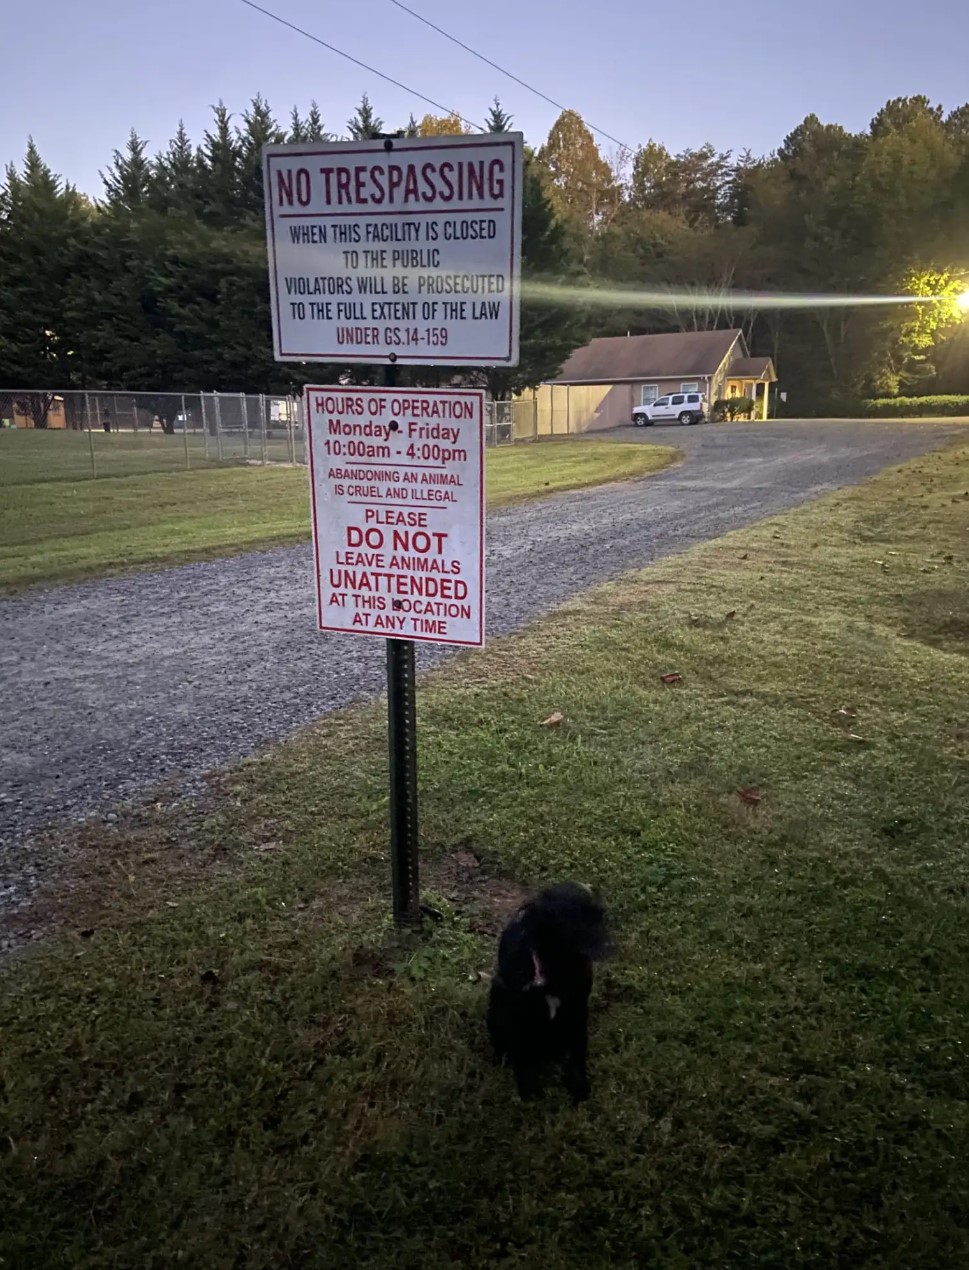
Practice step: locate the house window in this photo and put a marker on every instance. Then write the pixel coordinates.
(693, 387)
(648, 394)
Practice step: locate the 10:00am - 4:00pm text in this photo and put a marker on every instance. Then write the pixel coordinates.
(425, 451)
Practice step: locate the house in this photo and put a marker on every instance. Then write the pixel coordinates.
(600, 383)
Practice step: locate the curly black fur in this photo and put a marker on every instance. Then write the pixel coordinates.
(539, 1004)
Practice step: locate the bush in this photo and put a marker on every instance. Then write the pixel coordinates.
(732, 408)
(915, 407)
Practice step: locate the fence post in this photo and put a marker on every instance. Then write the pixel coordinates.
(290, 439)
(205, 425)
(185, 433)
(218, 424)
(245, 424)
(90, 434)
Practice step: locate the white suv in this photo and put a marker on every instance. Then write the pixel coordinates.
(687, 407)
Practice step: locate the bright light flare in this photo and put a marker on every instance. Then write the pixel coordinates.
(725, 302)
(963, 300)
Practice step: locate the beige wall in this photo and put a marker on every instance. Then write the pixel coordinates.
(556, 410)
(667, 386)
(56, 418)
(559, 410)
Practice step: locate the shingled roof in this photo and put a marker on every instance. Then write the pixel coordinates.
(751, 368)
(677, 355)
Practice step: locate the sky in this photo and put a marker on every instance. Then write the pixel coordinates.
(80, 75)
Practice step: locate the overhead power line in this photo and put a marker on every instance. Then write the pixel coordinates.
(356, 61)
(494, 65)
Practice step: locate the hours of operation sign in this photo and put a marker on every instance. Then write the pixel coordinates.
(407, 249)
(398, 511)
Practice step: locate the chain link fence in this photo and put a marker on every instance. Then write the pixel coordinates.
(48, 435)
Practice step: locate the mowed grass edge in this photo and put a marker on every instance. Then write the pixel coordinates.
(62, 531)
(255, 1070)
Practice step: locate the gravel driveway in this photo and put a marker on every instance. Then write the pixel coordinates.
(110, 686)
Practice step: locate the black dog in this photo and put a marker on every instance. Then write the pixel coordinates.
(539, 1004)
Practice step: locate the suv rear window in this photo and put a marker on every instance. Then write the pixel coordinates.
(693, 398)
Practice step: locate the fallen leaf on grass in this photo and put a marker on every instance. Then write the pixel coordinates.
(466, 860)
(745, 556)
(268, 846)
(751, 796)
(672, 678)
(553, 720)
(844, 715)
(729, 617)
(853, 736)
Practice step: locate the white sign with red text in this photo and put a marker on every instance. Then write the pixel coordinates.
(408, 249)
(397, 492)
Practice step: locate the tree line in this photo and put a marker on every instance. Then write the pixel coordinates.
(160, 284)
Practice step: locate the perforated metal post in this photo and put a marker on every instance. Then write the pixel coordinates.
(402, 736)
(402, 730)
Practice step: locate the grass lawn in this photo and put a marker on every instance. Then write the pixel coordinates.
(60, 531)
(29, 456)
(231, 1060)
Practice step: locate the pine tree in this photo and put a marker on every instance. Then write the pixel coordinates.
(175, 187)
(129, 180)
(220, 171)
(364, 125)
(297, 128)
(43, 227)
(497, 120)
(259, 128)
(314, 125)
(308, 129)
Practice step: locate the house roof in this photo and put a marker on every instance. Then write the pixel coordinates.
(679, 354)
(751, 368)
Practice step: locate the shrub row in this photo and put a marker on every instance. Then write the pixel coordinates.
(915, 407)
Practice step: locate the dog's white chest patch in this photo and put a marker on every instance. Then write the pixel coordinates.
(553, 1005)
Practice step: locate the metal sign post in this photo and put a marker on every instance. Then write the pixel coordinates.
(397, 251)
(402, 732)
(402, 738)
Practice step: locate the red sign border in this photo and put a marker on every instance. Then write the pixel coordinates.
(480, 395)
